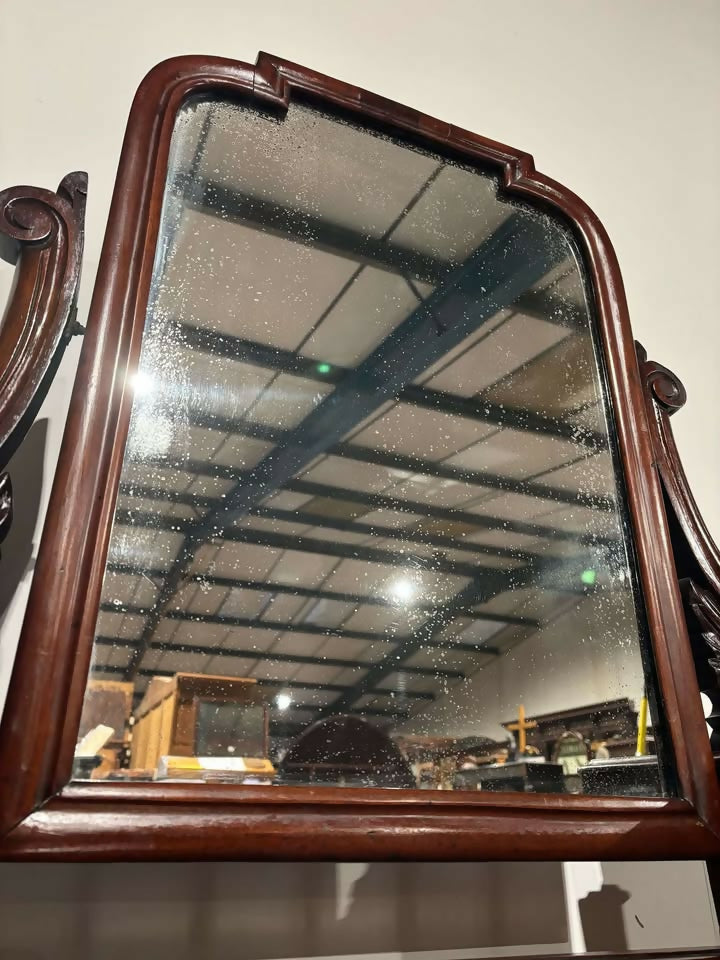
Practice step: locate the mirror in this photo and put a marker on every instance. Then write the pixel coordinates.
(369, 530)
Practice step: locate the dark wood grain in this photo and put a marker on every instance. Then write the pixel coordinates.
(41, 232)
(666, 395)
(695, 553)
(44, 819)
(189, 822)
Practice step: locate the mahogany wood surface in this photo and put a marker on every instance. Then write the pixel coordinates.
(666, 395)
(42, 233)
(88, 823)
(42, 818)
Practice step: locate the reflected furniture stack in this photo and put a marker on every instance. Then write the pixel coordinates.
(192, 726)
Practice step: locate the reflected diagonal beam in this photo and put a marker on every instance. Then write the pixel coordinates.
(475, 593)
(268, 216)
(513, 259)
(286, 361)
(516, 257)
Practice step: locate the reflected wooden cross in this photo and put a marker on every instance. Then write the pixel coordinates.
(521, 726)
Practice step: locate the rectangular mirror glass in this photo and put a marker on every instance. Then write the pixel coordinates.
(370, 529)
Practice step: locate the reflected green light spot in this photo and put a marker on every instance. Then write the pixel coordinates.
(588, 577)
(323, 368)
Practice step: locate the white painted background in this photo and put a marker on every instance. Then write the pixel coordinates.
(618, 99)
(574, 661)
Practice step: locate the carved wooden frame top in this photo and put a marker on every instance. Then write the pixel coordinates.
(41, 816)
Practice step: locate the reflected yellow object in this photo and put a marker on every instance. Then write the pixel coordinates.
(521, 726)
(642, 729)
(201, 768)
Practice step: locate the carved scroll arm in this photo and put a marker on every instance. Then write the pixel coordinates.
(697, 557)
(665, 395)
(41, 232)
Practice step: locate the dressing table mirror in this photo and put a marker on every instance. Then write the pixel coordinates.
(368, 538)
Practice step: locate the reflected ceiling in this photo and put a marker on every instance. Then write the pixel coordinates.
(368, 452)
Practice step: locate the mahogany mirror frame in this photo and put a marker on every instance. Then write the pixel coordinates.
(44, 816)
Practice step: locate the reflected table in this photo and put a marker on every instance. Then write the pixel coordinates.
(523, 776)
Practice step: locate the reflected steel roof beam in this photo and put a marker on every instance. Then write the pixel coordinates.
(451, 514)
(473, 408)
(386, 501)
(283, 541)
(333, 523)
(554, 573)
(316, 593)
(322, 687)
(399, 461)
(474, 593)
(311, 629)
(442, 673)
(234, 206)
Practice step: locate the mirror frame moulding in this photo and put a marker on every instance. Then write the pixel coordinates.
(45, 817)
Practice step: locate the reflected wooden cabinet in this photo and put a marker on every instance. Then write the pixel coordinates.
(191, 716)
(362, 461)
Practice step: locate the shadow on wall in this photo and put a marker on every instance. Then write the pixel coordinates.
(26, 474)
(602, 919)
(258, 911)
(407, 908)
(271, 911)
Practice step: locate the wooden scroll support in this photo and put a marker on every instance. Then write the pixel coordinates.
(41, 232)
(697, 557)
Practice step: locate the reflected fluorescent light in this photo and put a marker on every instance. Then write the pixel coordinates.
(142, 383)
(403, 590)
(283, 701)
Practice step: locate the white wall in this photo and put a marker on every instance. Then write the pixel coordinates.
(617, 100)
(574, 661)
